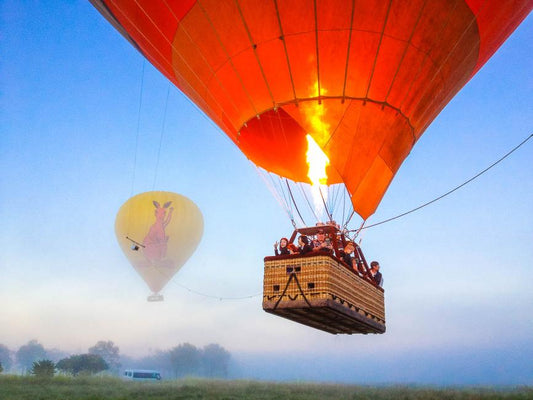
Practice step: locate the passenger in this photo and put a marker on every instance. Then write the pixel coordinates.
(321, 243)
(283, 247)
(346, 255)
(303, 245)
(376, 275)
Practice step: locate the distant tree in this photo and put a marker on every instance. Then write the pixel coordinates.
(82, 363)
(5, 357)
(28, 353)
(185, 360)
(1, 368)
(109, 352)
(215, 361)
(67, 365)
(55, 354)
(44, 369)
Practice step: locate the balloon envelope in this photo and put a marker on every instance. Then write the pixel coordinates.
(158, 232)
(365, 78)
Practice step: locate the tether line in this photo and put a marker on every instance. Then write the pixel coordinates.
(138, 129)
(456, 188)
(161, 137)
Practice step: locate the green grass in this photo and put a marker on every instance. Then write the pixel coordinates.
(97, 388)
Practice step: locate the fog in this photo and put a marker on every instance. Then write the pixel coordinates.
(489, 366)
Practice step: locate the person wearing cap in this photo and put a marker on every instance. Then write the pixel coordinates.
(321, 243)
(375, 274)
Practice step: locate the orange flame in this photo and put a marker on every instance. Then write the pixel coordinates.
(317, 161)
(316, 158)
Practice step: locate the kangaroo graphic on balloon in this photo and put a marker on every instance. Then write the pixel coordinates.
(155, 242)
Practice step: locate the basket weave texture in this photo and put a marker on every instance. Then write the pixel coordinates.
(320, 277)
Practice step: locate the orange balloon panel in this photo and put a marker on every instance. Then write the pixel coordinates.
(158, 232)
(375, 73)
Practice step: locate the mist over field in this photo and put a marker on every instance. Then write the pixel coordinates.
(502, 366)
(458, 366)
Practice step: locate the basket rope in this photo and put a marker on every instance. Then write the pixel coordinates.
(291, 277)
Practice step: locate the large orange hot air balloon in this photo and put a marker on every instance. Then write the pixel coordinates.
(364, 78)
(158, 232)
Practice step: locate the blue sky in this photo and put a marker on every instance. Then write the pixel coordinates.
(457, 273)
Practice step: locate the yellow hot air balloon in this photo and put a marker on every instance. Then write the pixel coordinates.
(158, 232)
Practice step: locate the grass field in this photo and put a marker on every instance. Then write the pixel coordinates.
(97, 388)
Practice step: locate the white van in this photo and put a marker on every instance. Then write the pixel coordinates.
(142, 375)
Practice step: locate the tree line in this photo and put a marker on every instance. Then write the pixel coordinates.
(104, 357)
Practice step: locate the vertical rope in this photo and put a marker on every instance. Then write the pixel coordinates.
(161, 137)
(325, 205)
(308, 202)
(136, 147)
(295, 205)
(138, 129)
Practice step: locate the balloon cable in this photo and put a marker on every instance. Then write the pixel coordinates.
(324, 202)
(278, 194)
(349, 219)
(308, 202)
(453, 190)
(217, 297)
(210, 296)
(161, 137)
(287, 203)
(294, 202)
(138, 129)
(136, 144)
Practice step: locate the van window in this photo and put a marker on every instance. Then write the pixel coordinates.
(142, 375)
(146, 375)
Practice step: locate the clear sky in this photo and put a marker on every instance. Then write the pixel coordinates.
(457, 273)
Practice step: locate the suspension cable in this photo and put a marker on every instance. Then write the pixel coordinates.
(286, 197)
(295, 205)
(453, 190)
(308, 203)
(138, 128)
(271, 187)
(173, 282)
(349, 219)
(217, 297)
(324, 202)
(161, 137)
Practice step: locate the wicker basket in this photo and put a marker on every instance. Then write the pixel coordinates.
(319, 291)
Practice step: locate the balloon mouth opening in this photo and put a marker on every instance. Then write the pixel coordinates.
(277, 142)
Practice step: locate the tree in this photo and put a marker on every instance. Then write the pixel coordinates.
(215, 361)
(43, 369)
(28, 353)
(185, 359)
(5, 357)
(109, 352)
(1, 368)
(82, 363)
(55, 354)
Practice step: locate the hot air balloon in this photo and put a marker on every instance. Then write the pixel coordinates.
(364, 78)
(360, 80)
(158, 232)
